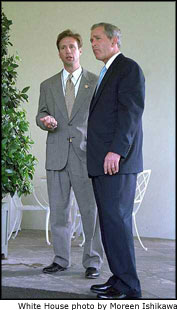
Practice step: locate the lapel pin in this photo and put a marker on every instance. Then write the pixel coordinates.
(86, 86)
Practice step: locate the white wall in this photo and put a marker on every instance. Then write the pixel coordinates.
(148, 30)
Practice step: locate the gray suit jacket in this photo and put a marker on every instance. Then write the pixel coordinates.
(52, 102)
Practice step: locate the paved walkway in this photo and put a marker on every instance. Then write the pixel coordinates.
(28, 254)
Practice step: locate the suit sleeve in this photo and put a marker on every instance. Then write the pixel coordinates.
(42, 109)
(131, 93)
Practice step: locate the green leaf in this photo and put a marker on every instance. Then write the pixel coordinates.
(24, 96)
(17, 58)
(14, 65)
(25, 89)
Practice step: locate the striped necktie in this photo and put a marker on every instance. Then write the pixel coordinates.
(69, 94)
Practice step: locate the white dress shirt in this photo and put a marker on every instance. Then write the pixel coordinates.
(110, 61)
(77, 74)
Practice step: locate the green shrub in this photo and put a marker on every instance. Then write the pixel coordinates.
(17, 164)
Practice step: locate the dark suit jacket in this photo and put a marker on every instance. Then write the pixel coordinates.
(115, 118)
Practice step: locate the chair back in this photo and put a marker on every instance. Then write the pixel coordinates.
(141, 186)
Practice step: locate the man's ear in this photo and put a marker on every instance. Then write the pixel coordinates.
(114, 41)
(80, 50)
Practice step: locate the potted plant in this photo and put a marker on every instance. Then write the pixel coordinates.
(17, 163)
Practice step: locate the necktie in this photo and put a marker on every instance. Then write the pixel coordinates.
(69, 94)
(102, 73)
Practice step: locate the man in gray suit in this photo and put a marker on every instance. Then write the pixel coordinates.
(63, 111)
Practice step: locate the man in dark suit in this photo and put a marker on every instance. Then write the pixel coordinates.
(114, 157)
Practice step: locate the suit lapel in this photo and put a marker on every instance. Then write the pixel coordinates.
(100, 89)
(104, 81)
(57, 89)
(82, 94)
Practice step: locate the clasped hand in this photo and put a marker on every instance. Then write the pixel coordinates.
(49, 121)
(111, 163)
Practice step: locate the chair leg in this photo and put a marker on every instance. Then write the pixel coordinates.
(19, 223)
(73, 229)
(83, 241)
(138, 233)
(16, 217)
(83, 235)
(10, 234)
(47, 226)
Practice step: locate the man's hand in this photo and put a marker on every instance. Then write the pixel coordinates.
(111, 163)
(49, 122)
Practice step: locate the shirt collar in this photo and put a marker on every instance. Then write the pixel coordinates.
(110, 61)
(76, 74)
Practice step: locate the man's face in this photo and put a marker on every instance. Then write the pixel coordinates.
(69, 52)
(102, 46)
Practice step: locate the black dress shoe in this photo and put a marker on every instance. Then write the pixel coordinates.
(91, 273)
(115, 294)
(54, 267)
(100, 288)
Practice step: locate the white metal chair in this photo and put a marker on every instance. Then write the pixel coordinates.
(141, 186)
(77, 227)
(17, 203)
